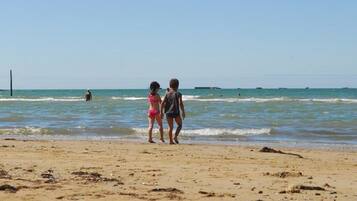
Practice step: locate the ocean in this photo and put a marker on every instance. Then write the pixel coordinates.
(221, 116)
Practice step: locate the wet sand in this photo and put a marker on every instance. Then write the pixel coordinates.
(117, 170)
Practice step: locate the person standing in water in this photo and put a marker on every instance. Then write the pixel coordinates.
(88, 95)
(174, 107)
(154, 101)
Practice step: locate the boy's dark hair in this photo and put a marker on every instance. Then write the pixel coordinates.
(174, 83)
(154, 86)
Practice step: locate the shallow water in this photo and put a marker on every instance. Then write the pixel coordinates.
(323, 116)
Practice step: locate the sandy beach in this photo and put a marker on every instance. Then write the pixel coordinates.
(117, 170)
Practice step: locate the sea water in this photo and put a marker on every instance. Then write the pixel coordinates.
(298, 116)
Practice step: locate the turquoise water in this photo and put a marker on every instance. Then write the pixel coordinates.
(322, 116)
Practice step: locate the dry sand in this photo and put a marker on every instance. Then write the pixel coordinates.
(103, 170)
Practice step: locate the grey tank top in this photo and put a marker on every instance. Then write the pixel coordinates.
(172, 105)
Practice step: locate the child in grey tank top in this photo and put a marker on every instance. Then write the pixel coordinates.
(172, 105)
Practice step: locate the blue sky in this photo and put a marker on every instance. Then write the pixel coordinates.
(126, 44)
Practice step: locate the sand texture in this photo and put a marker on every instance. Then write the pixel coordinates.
(117, 170)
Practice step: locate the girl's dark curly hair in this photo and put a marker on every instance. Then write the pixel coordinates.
(153, 87)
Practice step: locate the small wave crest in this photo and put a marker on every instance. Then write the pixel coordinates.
(330, 100)
(185, 98)
(217, 131)
(251, 99)
(24, 131)
(189, 97)
(65, 131)
(235, 100)
(47, 99)
(129, 98)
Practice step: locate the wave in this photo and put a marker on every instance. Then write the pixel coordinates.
(48, 99)
(330, 100)
(129, 98)
(185, 98)
(235, 100)
(252, 99)
(281, 99)
(24, 131)
(189, 97)
(192, 98)
(128, 131)
(65, 131)
(218, 131)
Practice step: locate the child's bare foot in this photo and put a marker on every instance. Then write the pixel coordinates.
(162, 140)
(176, 140)
(172, 142)
(151, 141)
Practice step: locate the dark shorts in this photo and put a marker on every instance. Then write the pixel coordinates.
(172, 115)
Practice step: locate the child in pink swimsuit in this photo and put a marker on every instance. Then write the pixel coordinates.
(154, 100)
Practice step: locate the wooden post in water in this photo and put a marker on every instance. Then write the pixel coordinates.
(10, 82)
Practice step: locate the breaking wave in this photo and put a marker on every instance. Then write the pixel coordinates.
(256, 100)
(118, 131)
(48, 99)
(218, 131)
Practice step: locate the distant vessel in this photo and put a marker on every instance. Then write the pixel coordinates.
(259, 88)
(345, 88)
(207, 88)
(282, 88)
(307, 87)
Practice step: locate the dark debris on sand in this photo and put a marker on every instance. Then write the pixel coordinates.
(96, 177)
(90, 176)
(170, 190)
(4, 174)
(8, 188)
(284, 174)
(49, 176)
(10, 139)
(298, 188)
(212, 194)
(270, 150)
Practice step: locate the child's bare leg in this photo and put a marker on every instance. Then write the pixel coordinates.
(161, 129)
(170, 122)
(151, 126)
(178, 121)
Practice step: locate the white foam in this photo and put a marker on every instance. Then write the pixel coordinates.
(186, 97)
(235, 100)
(277, 99)
(129, 98)
(198, 98)
(48, 99)
(25, 130)
(329, 100)
(189, 97)
(217, 131)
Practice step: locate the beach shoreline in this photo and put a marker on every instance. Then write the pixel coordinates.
(244, 143)
(126, 170)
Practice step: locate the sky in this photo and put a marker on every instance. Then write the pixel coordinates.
(127, 44)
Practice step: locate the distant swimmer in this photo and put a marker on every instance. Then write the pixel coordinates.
(88, 95)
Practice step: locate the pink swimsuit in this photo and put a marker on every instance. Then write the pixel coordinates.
(153, 112)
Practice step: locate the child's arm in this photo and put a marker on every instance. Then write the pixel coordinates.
(163, 103)
(182, 108)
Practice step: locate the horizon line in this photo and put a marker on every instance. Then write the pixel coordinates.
(193, 88)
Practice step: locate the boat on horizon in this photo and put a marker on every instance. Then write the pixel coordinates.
(207, 88)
